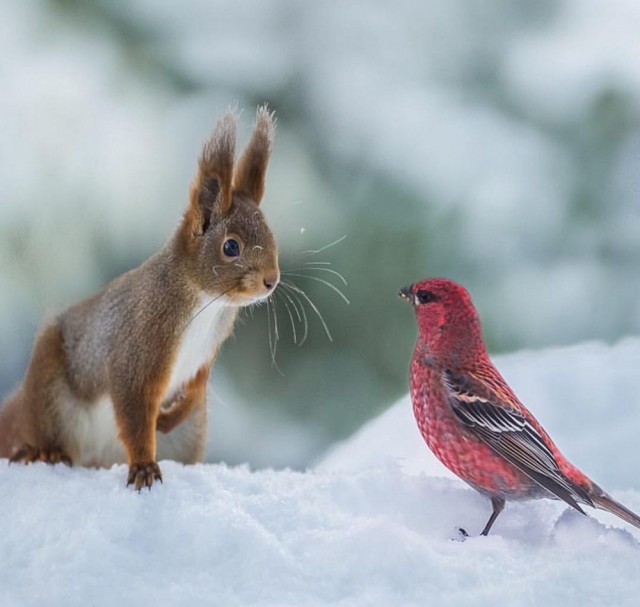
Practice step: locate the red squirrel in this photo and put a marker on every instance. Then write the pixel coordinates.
(121, 376)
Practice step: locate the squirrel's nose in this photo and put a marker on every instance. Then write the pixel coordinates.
(270, 280)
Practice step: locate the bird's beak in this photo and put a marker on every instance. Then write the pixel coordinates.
(407, 294)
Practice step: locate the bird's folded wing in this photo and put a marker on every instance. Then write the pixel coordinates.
(510, 435)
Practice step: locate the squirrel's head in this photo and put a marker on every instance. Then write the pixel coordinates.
(230, 247)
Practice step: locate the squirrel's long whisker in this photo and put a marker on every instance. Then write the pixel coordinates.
(288, 309)
(317, 269)
(300, 292)
(324, 282)
(328, 246)
(275, 318)
(287, 296)
(273, 340)
(299, 308)
(269, 331)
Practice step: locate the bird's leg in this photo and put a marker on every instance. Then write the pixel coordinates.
(498, 506)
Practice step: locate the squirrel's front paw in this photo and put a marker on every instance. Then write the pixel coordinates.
(28, 454)
(143, 474)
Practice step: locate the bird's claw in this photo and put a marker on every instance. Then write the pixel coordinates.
(460, 535)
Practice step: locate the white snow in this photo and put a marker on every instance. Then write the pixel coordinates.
(370, 525)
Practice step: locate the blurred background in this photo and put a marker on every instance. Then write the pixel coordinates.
(495, 143)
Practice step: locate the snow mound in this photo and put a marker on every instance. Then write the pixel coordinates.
(212, 535)
(371, 525)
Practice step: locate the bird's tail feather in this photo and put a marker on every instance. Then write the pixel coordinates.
(606, 502)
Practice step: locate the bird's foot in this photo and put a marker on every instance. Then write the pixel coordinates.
(459, 535)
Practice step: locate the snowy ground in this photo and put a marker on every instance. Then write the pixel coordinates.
(370, 525)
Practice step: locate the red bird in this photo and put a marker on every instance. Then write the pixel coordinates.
(472, 420)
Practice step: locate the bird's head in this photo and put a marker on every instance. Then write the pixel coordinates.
(448, 324)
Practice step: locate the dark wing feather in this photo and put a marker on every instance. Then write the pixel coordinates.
(511, 436)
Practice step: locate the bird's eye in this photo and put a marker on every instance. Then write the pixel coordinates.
(231, 248)
(425, 297)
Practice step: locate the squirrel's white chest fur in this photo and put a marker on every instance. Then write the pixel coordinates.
(93, 428)
(201, 337)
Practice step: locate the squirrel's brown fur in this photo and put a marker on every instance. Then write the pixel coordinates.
(135, 358)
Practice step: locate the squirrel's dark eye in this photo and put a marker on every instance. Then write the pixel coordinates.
(426, 297)
(231, 248)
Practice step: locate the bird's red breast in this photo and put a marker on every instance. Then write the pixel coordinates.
(465, 455)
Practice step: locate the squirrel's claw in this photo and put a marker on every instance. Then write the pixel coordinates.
(143, 474)
(28, 454)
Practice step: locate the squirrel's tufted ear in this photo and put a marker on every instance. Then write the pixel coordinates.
(211, 186)
(249, 175)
